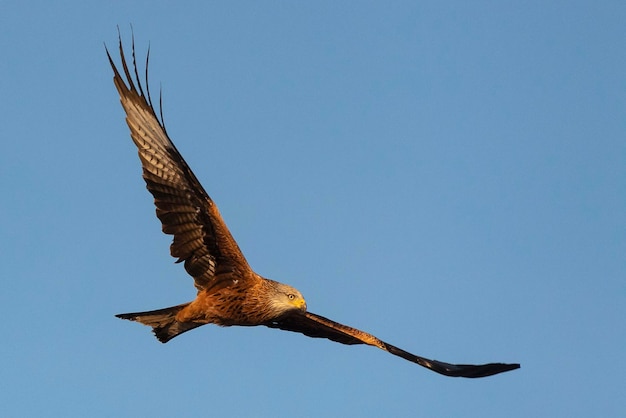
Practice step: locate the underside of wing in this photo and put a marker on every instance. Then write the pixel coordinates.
(317, 326)
(201, 239)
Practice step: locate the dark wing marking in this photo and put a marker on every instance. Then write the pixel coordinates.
(201, 238)
(317, 326)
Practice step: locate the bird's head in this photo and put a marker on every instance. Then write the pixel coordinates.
(287, 298)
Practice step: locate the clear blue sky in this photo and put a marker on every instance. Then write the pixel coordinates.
(450, 176)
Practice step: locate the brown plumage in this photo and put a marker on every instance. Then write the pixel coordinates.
(229, 291)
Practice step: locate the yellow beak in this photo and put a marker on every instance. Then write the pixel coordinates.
(300, 304)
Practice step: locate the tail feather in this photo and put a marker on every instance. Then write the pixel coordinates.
(163, 322)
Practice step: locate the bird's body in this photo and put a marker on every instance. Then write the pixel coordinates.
(243, 304)
(229, 291)
(255, 301)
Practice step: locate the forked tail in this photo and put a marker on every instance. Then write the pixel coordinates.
(163, 322)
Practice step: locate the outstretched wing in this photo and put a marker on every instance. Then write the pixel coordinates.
(317, 326)
(201, 238)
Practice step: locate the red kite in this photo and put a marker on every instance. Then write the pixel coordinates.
(229, 291)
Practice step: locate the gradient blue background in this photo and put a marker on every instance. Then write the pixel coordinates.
(450, 176)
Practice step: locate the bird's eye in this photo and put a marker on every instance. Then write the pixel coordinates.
(291, 296)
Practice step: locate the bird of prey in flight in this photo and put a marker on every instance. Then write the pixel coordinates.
(229, 292)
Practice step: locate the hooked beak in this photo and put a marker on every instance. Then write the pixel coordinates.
(301, 304)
